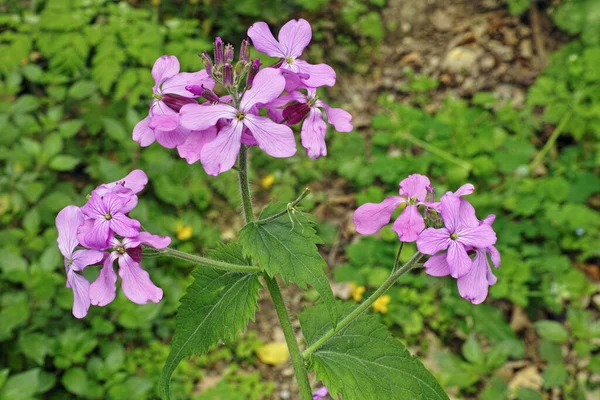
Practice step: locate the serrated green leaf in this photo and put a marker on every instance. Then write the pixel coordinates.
(552, 331)
(82, 89)
(216, 306)
(289, 250)
(364, 362)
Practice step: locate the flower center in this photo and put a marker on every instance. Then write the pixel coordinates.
(156, 96)
(108, 216)
(240, 116)
(290, 60)
(121, 250)
(454, 236)
(412, 201)
(70, 262)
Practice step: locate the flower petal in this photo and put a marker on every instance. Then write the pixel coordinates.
(192, 147)
(450, 212)
(277, 140)
(464, 190)
(171, 138)
(415, 185)
(177, 83)
(494, 255)
(81, 297)
(158, 242)
(474, 285)
(340, 119)
(83, 258)
(294, 36)
(371, 217)
(97, 237)
(267, 86)
(220, 154)
(124, 226)
(68, 220)
(104, 289)
(142, 133)
(432, 241)
(458, 260)
(135, 181)
(313, 134)
(320, 74)
(409, 224)
(467, 217)
(480, 237)
(437, 265)
(136, 283)
(196, 117)
(264, 41)
(163, 68)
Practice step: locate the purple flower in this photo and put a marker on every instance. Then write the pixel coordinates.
(371, 217)
(67, 222)
(135, 281)
(169, 95)
(462, 231)
(314, 127)
(105, 216)
(220, 154)
(321, 394)
(294, 36)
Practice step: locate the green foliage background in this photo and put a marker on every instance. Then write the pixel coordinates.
(75, 78)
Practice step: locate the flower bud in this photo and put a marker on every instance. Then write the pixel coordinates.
(430, 196)
(252, 71)
(195, 89)
(175, 102)
(228, 53)
(227, 75)
(245, 52)
(207, 62)
(219, 53)
(210, 95)
(295, 113)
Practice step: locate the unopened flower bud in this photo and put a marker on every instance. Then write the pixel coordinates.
(245, 52)
(295, 113)
(228, 75)
(228, 53)
(175, 102)
(210, 95)
(252, 71)
(219, 53)
(195, 89)
(207, 62)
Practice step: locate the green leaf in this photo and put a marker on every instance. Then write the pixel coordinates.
(82, 89)
(552, 331)
(216, 306)
(24, 104)
(114, 129)
(555, 375)
(21, 386)
(35, 346)
(363, 361)
(70, 128)
(75, 381)
(289, 249)
(472, 351)
(64, 163)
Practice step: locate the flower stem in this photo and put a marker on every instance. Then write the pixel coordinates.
(287, 210)
(550, 143)
(273, 286)
(207, 262)
(410, 264)
(437, 151)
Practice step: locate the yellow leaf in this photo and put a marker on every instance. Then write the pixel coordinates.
(273, 353)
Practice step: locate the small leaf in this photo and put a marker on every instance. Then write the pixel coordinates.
(555, 375)
(363, 361)
(64, 163)
(114, 129)
(216, 306)
(275, 353)
(21, 386)
(552, 331)
(82, 89)
(75, 381)
(70, 128)
(289, 249)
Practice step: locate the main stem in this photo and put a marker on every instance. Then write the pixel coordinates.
(273, 286)
(365, 304)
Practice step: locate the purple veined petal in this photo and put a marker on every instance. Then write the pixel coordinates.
(173, 138)
(81, 297)
(464, 190)
(83, 258)
(130, 205)
(409, 224)
(196, 117)
(68, 220)
(268, 85)
(104, 289)
(340, 119)
(474, 285)
(136, 283)
(164, 122)
(489, 220)
(135, 181)
(467, 217)
(432, 241)
(437, 265)
(415, 185)
(480, 237)
(164, 67)
(248, 138)
(220, 154)
(320, 74)
(192, 147)
(124, 226)
(313, 134)
(276, 140)
(97, 237)
(371, 217)
(115, 201)
(293, 79)
(294, 36)
(494, 255)
(95, 206)
(264, 41)
(458, 260)
(177, 83)
(83, 230)
(158, 242)
(450, 212)
(159, 107)
(142, 133)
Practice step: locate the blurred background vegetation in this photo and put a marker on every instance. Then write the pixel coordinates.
(458, 90)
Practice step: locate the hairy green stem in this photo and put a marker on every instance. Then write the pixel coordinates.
(436, 150)
(207, 262)
(273, 286)
(287, 210)
(397, 273)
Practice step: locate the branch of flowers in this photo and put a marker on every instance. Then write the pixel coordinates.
(273, 286)
(208, 262)
(389, 282)
(550, 143)
(291, 205)
(436, 150)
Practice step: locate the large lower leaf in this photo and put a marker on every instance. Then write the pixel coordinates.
(289, 249)
(216, 306)
(364, 362)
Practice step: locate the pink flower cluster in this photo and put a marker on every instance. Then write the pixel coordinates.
(101, 232)
(459, 243)
(213, 131)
